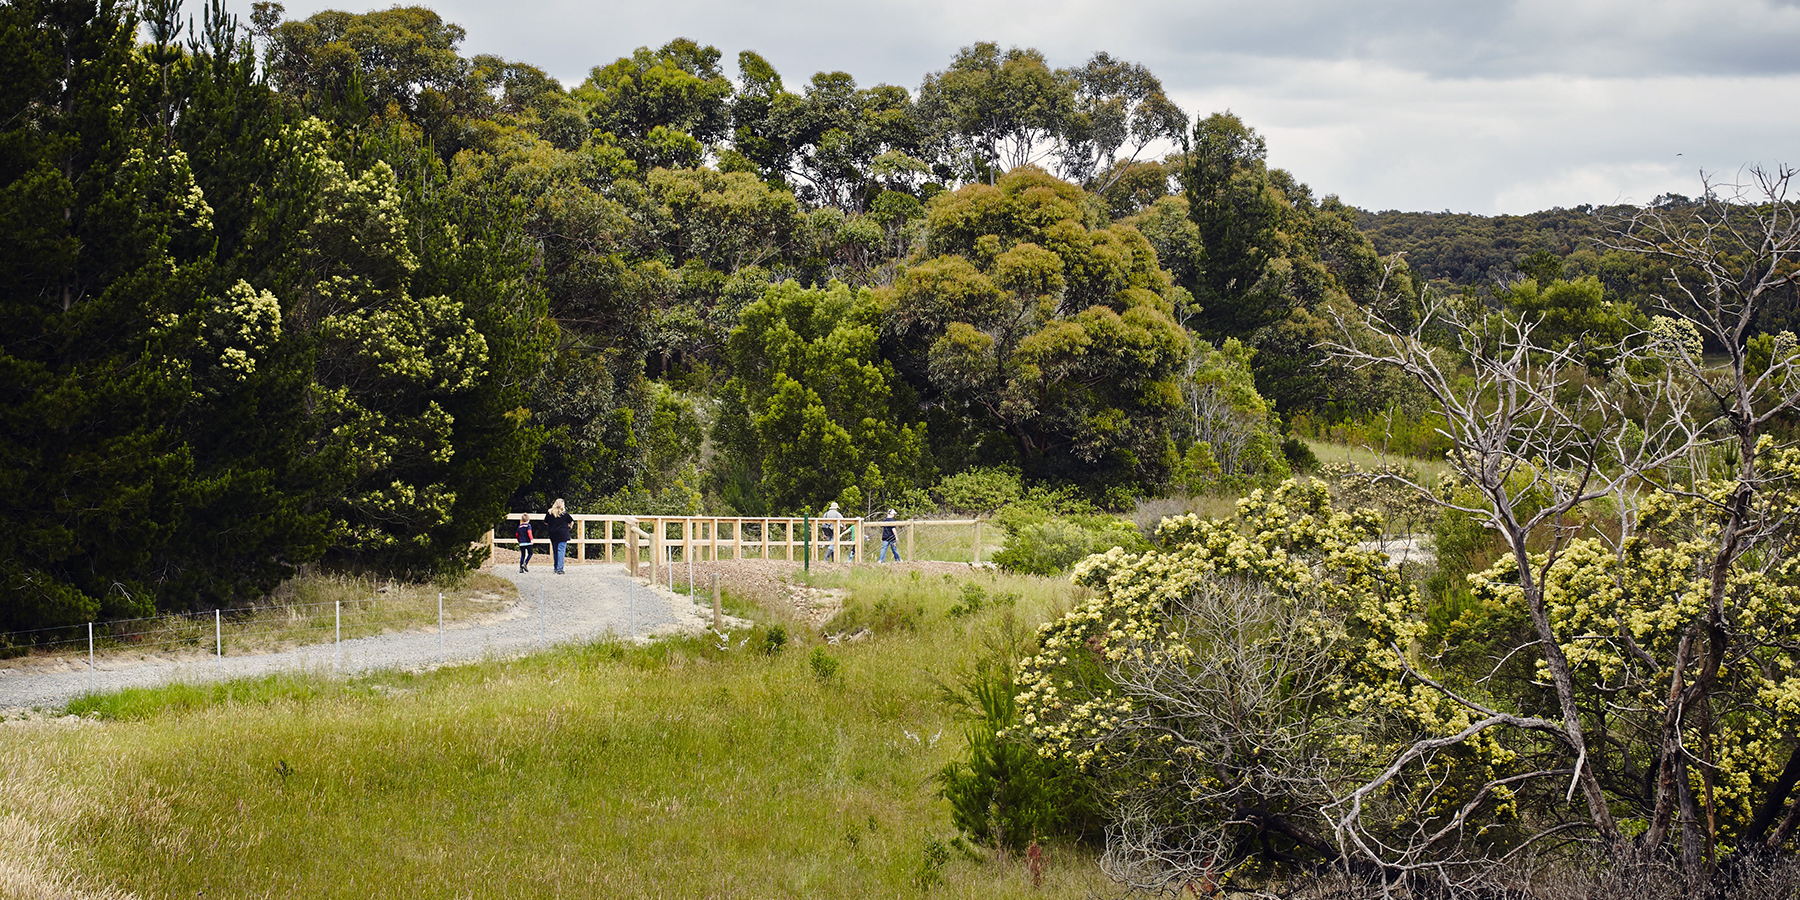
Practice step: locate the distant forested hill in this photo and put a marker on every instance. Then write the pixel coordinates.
(1467, 249)
(1462, 251)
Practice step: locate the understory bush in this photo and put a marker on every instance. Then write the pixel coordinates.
(979, 490)
(1052, 547)
(1049, 530)
(1002, 793)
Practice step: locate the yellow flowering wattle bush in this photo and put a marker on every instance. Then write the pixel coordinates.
(1244, 677)
(1622, 612)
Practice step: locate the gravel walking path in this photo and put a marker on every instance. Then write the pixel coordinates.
(589, 601)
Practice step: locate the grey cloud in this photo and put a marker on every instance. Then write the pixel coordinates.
(1416, 104)
(1602, 38)
(898, 41)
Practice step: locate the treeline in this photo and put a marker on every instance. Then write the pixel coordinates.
(1488, 255)
(328, 290)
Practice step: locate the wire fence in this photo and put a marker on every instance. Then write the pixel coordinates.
(244, 630)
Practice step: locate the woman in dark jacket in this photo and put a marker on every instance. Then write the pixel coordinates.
(557, 524)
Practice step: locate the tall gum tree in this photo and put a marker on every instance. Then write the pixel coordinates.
(1051, 335)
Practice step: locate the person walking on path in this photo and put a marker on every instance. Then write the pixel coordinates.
(827, 532)
(889, 544)
(524, 538)
(558, 523)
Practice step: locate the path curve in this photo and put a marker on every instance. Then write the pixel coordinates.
(589, 601)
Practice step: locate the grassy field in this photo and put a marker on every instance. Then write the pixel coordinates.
(1429, 469)
(675, 770)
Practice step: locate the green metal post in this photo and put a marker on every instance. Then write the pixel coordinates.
(806, 548)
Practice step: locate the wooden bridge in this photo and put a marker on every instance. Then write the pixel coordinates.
(657, 540)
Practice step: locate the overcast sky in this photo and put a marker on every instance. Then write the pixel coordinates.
(1484, 106)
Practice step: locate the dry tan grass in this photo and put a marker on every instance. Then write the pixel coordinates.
(31, 859)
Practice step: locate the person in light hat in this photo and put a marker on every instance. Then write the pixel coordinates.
(827, 532)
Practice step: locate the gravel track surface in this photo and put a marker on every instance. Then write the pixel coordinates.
(591, 600)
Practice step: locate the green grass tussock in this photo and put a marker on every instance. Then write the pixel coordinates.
(688, 768)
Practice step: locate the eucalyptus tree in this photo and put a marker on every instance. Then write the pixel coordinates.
(992, 111)
(1048, 336)
(668, 108)
(1120, 108)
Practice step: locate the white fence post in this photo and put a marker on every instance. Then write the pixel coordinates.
(90, 649)
(338, 613)
(440, 626)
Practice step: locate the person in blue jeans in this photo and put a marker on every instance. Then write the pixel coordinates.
(524, 538)
(888, 542)
(558, 524)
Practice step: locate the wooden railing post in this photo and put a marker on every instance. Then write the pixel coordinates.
(656, 546)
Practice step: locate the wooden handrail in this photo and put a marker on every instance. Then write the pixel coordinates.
(702, 537)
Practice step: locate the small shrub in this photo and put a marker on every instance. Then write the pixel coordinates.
(1052, 547)
(931, 864)
(824, 665)
(1002, 793)
(773, 640)
(972, 600)
(1299, 454)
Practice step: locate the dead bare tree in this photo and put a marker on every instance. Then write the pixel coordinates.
(1725, 261)
(1534, 452)
(1536, 441)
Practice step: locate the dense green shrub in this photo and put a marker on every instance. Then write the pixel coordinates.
(979, 490)
(1299, 454)
(773, 640)
(1052, 547)
(1002, 793)
(974, 598)
(824, 665)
